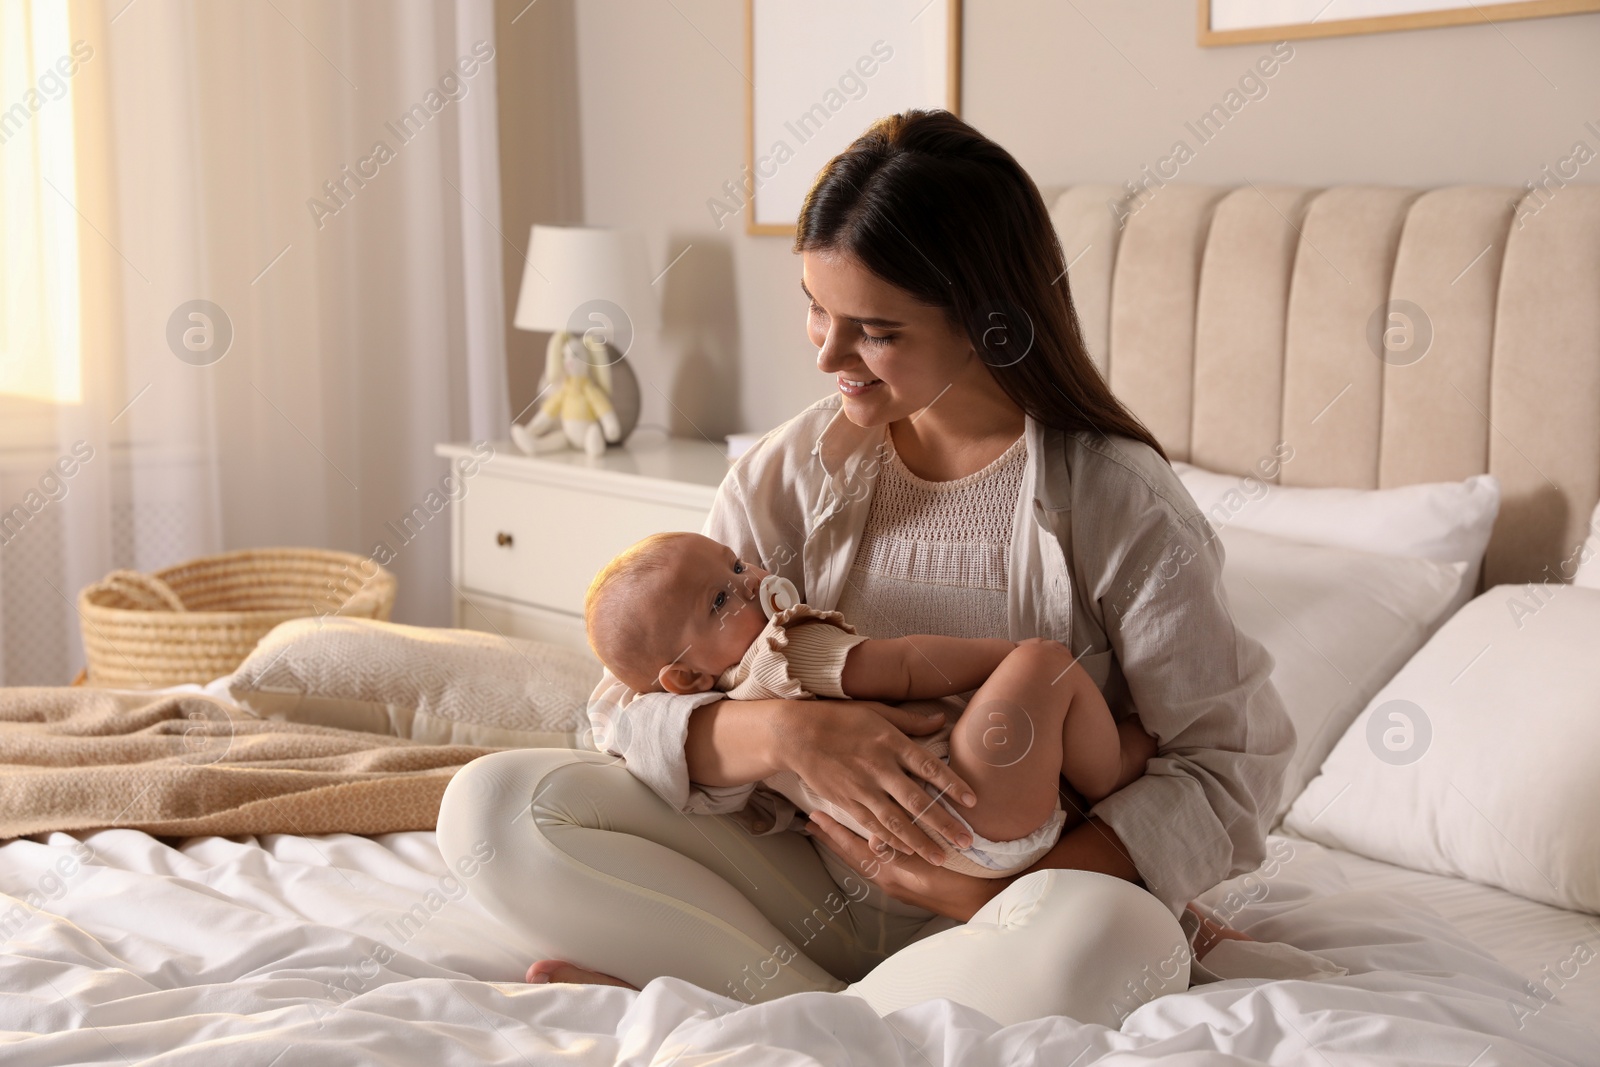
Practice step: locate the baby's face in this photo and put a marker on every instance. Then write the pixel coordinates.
(714, 601)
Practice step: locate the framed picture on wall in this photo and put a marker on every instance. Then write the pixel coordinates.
(820, 73)
(1242, 21)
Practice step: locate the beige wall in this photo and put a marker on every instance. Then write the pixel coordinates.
(541, 174)
(1090, 97)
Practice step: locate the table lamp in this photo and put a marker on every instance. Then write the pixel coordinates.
(591, 288)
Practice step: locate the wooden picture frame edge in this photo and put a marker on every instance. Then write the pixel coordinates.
(952, 60)
(1458, 16)
(952, 104)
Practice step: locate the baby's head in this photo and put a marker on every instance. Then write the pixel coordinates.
(674, 612)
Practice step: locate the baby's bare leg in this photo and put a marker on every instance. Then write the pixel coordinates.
(1038, 716)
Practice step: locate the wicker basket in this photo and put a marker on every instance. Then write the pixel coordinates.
(197, 621)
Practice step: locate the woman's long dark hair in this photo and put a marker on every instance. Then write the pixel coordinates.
(933, 207)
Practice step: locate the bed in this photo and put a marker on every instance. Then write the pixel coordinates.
(1231, 320)
(253, 947)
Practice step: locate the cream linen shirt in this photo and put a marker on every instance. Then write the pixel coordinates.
(1109, 555)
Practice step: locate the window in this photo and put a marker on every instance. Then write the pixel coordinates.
(40, 349)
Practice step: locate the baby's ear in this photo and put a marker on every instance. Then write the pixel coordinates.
(682, 679)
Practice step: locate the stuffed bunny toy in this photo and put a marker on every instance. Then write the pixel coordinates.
(577, 410)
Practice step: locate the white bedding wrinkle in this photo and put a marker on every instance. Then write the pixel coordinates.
(1533, 939)
(236, 950)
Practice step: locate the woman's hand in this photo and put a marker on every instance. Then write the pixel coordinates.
(856, 754)
(909, 879)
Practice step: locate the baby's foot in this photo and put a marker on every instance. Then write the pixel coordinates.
(562, 971)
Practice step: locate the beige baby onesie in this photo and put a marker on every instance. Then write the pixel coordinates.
(800, 655)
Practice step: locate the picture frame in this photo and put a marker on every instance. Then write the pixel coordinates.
(1225, 22)
(820, 73)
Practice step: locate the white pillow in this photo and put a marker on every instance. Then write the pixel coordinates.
(1446, 521)
(1478, 759)
(1588, 572)
(1338, 623)
(445, 687)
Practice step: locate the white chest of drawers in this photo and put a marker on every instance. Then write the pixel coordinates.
(529, 533)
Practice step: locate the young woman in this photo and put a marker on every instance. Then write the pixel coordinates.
(971, 474)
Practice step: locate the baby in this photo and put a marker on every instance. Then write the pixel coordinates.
(682, 613)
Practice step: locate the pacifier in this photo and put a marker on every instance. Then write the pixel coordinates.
(777, 594)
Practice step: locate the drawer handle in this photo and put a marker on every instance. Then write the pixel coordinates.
(503, 539)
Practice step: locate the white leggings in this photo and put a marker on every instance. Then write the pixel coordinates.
(594, 868)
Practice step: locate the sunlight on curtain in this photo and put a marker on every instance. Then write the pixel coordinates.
(160, 157)
(39, 342)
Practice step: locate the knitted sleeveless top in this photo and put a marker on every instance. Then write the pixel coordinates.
(934, 555)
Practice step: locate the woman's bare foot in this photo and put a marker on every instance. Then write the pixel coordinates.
(562, 971)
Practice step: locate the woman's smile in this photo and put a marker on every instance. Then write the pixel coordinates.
(857, 386)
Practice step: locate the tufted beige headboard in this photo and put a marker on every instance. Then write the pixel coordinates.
(1233, 319)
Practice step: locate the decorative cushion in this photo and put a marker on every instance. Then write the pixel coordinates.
(1339, 623)
(435, 685)
(1477, 760)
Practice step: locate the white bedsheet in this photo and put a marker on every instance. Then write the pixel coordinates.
(242, 951)
(1544, 944)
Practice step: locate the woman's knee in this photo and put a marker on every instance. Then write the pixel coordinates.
(486, 811)
(1116, 947)
(1054, 942)
(589, 864)
(509, 823)
(491, 789)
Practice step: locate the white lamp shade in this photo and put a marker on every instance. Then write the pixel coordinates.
(569, 268)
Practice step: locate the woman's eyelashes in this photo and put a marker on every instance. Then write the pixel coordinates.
(871, 339)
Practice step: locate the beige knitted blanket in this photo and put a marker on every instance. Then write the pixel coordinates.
(83, 759)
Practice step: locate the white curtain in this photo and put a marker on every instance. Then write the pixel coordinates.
(324, 177)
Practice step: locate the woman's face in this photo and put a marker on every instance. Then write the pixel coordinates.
(889, 356)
